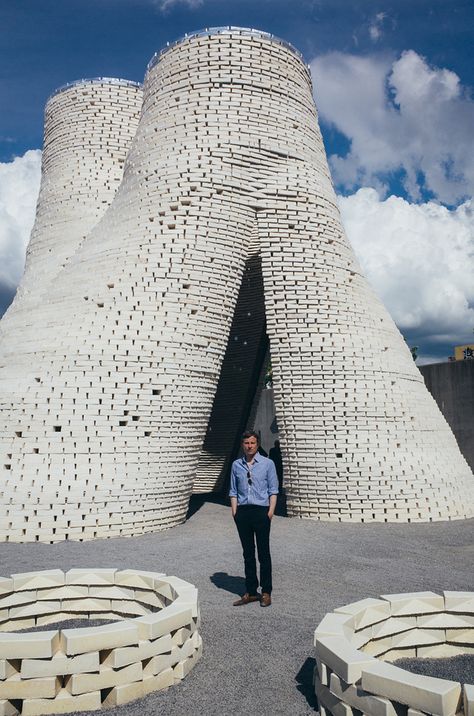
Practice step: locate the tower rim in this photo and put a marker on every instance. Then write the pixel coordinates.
(95, 80)
(225, 30)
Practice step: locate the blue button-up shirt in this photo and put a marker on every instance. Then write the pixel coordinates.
(264, 481)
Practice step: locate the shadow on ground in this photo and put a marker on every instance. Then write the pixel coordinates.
(304, 679)
(234, 585)
(197, 501)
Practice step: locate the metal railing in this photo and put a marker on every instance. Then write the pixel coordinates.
(95, 80)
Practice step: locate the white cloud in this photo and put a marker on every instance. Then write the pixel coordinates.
(376, 26)
(400, 116)
(419, 258)
(19, 187)
(167, 5)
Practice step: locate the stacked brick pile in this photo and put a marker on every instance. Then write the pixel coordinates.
(151, 643)
(104, 413)
(354, 642)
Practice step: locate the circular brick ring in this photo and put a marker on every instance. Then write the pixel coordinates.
(152, 642)
(354, 642)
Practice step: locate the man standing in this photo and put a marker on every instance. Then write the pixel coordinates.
(253, 496)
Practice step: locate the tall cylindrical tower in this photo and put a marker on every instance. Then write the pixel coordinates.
(88, 129)
(106, 429)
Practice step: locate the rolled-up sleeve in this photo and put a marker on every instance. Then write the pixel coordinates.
(233, 482)
(272, 479)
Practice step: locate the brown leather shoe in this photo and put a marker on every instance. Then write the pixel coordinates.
(266, 600)
(246, 599)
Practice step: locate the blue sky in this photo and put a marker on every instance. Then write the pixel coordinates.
(393, 84)
(46, 43)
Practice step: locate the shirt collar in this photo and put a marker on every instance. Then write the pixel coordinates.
(255, 459)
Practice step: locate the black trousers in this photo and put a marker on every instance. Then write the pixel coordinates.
(253, 524)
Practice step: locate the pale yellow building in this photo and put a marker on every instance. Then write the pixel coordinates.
(464, 352)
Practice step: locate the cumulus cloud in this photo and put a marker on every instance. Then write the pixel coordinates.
(419, 258)
(400, 116)
(19, 186)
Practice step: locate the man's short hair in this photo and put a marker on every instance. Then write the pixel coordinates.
(250, 434)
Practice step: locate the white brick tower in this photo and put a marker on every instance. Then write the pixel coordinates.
(88, 128)
(107, 425)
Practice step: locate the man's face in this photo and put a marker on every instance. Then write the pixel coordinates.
(250, 446)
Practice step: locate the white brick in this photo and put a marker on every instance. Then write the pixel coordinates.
(6, 586)
(38, 645)
(460, 636)
(145, 650)
(63, 703)
(468, 699)
(15, 688)
(59, 665)
(338, 654)
(7, 708)
(173, 617)
(355, 697)
(418, 637)
(109, 636)
(7, 668)
(334, 624)
(366, 611)
(93, 577)
(137, 578)
(414, 603)
(328, 701)
(395, 625)
(459, 602)
(105, 679)
(38, 580)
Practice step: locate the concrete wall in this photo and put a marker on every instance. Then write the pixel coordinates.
(452, 386)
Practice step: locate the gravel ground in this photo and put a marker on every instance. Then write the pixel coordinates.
(456, 668)
(260, 661)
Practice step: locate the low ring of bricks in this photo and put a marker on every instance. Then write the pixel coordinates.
(151, 642)
(355, 642)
